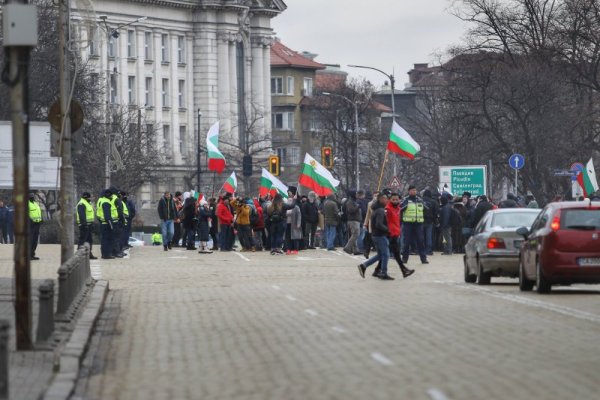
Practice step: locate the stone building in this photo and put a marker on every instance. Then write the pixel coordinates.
(175, 58)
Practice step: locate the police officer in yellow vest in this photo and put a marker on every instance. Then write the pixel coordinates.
(119, 224)
(107, 214)
(35, 221)
(85, 221)
(412, 224)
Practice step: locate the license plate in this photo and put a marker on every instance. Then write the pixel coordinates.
(589, 262)
(517, 244)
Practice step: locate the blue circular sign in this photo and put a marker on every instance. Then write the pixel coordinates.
(575, 169)
(516, 161)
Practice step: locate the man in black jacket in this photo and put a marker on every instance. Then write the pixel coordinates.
(167, 213)
(431, 215)
(310, 218)
(354, 218)
(379, 233)
(483, 206)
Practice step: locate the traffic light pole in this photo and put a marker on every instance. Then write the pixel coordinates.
(198, 153)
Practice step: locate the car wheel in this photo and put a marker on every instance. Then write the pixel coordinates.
(541, 284)
(469, 277)
(525, 285)
(483, 278)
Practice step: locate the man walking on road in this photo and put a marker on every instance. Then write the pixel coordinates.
(446, 223)
(166, 213)
(412, 223)
(354, 217)
(379, 232)
(330, 217)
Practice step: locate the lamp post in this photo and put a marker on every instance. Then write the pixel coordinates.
(198, 154)
(355, 105)
(115, 34)
(392, 85)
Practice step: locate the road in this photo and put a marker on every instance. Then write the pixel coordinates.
(181, 325)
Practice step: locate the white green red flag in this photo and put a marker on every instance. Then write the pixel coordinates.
(317, 177)
(402, 143)
(216, 160)
(230, 185)
(269, 184)
(587, 179)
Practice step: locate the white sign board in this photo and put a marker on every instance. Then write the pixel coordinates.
(42, 168)
(464, 178)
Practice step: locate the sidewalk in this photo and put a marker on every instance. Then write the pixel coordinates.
(30, 372)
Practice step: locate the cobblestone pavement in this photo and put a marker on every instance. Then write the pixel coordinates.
(180, 325)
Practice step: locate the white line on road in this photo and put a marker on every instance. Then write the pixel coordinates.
(311, 312)
(179, 257)
(571, 312)
(339, 329)
(290, 298)
(242, 256)
(437, 394)
(276, 287)
(380, 358)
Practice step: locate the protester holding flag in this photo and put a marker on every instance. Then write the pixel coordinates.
(230, 185)
(216, 160)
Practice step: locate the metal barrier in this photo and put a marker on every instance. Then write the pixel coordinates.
(46, 311)
(73, 276)
(4, 338)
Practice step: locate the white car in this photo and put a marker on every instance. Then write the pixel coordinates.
(133, 242)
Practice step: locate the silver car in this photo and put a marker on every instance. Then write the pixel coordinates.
(493, 249)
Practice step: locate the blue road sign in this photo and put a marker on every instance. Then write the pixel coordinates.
(516, 161)
(575, 169)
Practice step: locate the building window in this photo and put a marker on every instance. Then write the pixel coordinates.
(182, 140)
(131, 44)
(111, 46)
(181, 93)
(131, 89)
(181, 49)
(148, 92)
(289, 155)
(93, 41)
(283, 121)
(148, 45)
(94, 84)
(277, 85)
(165, 93)
(308, 86)
(164, 47)
(167, 137)
(113, 89)
(290, 85)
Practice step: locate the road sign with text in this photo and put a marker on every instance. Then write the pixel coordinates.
(464, 178)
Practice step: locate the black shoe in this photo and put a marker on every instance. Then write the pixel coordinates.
(408, 272)
(170, 246)
(385, 277)
(93, 257)
(118, 255)
(191, 248)
(446, 254)
(35, 258)
(366, 254)
(404, 260)
(312, 248)
(424, 261)
(361, 270)
(377, 272)
(108, 258)
(166, 249)
(347, 251)
(215, 249)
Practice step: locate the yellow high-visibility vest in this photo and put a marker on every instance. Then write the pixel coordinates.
(413, 212)
(35, 212)
(89, 211)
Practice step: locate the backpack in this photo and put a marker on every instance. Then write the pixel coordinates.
(455, 218)
(253, 216)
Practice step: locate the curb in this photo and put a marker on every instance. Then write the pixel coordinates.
(63, 383)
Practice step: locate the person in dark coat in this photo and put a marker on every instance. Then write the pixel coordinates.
(214, 225)
(431, 218)
(446, 225)
(204, 216)
(189, 222)
(310, 219)
(483, 206)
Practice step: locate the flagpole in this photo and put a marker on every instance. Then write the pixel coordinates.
(213, 183)
(385, 158)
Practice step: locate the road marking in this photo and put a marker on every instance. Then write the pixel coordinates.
(312, 259)
(276, 287)
(179, 257)
(290, 298)
(311, 312)
(243, 257)
(437, 394)
(380, 358)
(339, 329)
(568, 311)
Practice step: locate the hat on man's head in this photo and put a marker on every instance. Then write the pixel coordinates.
(411, 187)
(86, 195)
(292, 190)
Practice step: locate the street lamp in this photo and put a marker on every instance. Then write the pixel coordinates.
(392, 84)
(355, 105)
(198, 154)
(115, 34)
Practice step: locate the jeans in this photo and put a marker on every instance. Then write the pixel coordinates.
(413, 232)
(330, 232)
(447, 235)
(383, 253)
(277, 233)
(354, 229)
(360, 243)
(310, 230)
(428, 237)
(106, 244)
(225, 234)
(167, 230)
(85, 235)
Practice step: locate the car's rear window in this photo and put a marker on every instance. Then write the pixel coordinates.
(514, 220)
(580, 219)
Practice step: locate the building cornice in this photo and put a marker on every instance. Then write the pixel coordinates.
(264, 7)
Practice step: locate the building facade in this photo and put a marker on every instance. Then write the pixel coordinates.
(174, 59)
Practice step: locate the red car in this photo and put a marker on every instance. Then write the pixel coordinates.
(562, 246)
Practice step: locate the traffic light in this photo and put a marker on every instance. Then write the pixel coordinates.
(327, 157)
(247, 165)
(274, 165)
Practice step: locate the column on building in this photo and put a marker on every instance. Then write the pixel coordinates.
(224, 109)
(192, 109)
(257, 98)
(233, 86)
(267, 83)
(174, 98)
(158, 105)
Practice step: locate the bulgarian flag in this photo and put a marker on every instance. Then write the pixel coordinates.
(402, 143)
(317, 177)
(587, 179)
(269, 184)
(216, 161)
(230, 185)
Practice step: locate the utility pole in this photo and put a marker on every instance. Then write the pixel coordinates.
(198, 151)
(67, 237)
(20, 36)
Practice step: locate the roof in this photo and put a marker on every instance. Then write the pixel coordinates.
(283, 56)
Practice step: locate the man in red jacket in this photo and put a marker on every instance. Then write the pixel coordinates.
(393, 217)
(259, 226)
(225, 217)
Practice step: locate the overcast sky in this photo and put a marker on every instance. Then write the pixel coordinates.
(386, 34)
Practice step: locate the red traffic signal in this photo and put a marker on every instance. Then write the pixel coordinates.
(327, 156)
(274, 165)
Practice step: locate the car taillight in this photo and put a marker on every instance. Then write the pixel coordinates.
(496, 243)
(555, 225)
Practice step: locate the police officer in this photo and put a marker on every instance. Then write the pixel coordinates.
(35, 221)
(118, 224)
(85, 221)
(107, 214)
(129, 214)
(412, 224)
